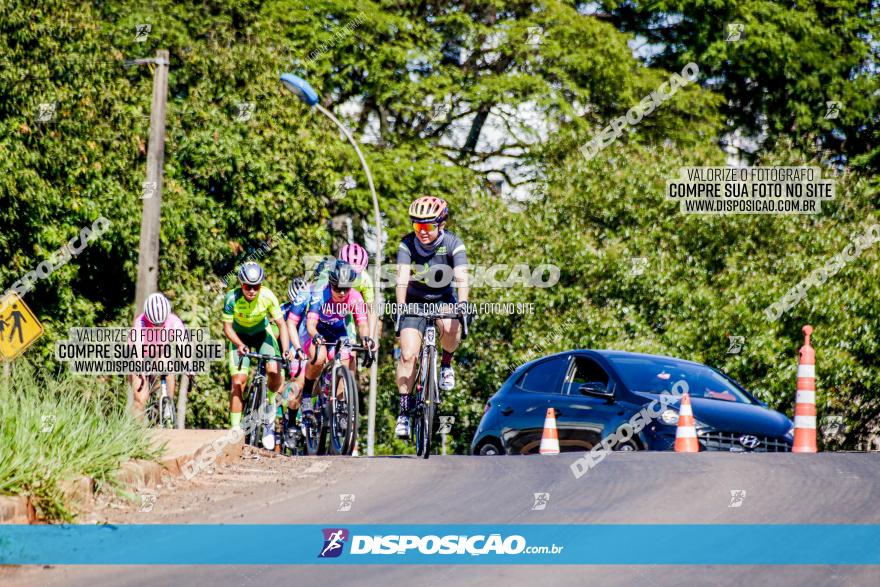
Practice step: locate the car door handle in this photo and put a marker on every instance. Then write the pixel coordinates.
(506, 410)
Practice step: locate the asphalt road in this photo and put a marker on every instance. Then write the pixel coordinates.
(647, 488)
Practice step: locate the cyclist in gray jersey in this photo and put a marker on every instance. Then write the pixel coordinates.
(431, 269)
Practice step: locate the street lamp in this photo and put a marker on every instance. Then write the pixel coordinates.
(302, 90)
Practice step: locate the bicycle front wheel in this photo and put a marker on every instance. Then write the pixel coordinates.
(153, 409)
(312, 434)
(424, 420)
(166, 411)
(252, 417)
(343, 413)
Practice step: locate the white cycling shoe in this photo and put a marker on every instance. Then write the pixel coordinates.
(269, 439)
(447, 378)
(402, 429)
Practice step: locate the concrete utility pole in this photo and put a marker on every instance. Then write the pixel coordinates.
(148, 258)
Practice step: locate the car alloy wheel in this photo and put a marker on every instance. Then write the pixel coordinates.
(490, 449)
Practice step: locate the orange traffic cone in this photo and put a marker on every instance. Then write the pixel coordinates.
(686, 433)
(550, 438)
(805, 403)
(355, 452)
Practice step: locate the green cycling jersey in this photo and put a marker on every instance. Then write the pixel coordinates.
(251, 317)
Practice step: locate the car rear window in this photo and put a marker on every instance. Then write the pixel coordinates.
(658, 375)
(544, 377)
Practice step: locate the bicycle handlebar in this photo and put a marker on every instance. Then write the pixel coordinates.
(434, 315)
(440, 316)
(342, 342)
(263, 358)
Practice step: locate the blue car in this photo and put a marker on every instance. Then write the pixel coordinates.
(595, 392)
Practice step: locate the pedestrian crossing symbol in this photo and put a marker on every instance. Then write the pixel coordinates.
(19, 328)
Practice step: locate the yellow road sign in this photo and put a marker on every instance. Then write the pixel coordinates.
(19, 328)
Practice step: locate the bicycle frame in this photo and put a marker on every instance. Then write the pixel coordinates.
(260, 382)
(429, 359)
(326, 408)
(423, 411)
(161, 399)
(341, 344)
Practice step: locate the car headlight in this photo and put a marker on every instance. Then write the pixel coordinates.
(669, 416)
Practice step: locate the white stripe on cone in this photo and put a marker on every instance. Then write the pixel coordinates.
(686, 410)
(808, 371)
(806, 397)
(685, 432)
(805, 422)
(549, 446)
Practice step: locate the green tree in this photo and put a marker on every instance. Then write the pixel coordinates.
(790, 59)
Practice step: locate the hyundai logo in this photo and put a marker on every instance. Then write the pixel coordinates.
(749, 441)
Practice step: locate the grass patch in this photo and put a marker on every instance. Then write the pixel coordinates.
(57, 427)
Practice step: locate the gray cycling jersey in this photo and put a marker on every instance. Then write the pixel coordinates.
(431, 277)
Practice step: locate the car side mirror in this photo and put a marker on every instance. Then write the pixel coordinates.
(596, 389)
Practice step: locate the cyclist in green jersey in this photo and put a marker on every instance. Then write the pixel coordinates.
(247, 313)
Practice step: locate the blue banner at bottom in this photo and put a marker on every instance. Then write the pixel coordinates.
(605, 544)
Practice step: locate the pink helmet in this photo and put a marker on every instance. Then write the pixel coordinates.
(355, 255)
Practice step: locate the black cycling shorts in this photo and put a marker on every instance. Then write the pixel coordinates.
(420, 323)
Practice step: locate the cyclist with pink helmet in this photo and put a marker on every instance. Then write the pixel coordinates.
(356, 256)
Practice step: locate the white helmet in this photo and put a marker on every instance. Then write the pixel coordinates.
(156, 308)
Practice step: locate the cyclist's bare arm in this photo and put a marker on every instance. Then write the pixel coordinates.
(364, 331)
(312, 327)
(372, 322)
(461, 282)
(293, 331)
(285, 340)
(232, 336)
(403, 272)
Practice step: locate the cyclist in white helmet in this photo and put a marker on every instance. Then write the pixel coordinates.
(157, 314)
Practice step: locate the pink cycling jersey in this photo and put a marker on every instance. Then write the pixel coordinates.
(173, 322)
(331, 315)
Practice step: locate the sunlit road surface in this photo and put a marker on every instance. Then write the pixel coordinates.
(626, 488)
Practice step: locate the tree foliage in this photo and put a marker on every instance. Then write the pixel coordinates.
(444, 97)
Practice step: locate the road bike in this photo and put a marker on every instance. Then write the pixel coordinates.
(160, 411)
(427, 391)
(334, 416)
(257, 413)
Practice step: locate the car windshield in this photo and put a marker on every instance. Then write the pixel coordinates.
(657, 375)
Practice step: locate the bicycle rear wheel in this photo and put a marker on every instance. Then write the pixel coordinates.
(343, 413)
